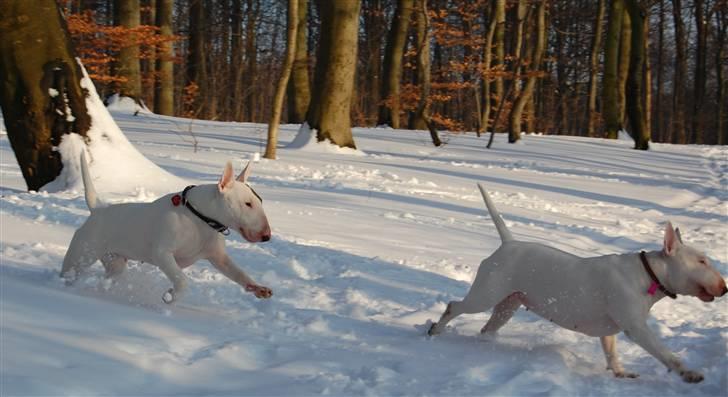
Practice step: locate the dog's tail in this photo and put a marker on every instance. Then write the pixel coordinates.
(88, 186)
(503, 231)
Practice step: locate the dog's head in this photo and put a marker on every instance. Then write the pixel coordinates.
(689, 271)
(240, 208)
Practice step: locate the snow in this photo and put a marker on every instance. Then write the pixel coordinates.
(366, 250)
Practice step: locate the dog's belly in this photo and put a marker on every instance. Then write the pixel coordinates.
(573, 314)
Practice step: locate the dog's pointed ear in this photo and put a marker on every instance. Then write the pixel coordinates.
(244, 174)
(226, 180)
(679, 237)
(672, 240)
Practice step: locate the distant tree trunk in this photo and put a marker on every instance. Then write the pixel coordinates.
(699, 76)
(196, 60)
(500, 51)
(720, 55)
(594, 70)
(330, 110)
(657, 120)
(421, 119)
(516, 115)
(40, 93)
(126, 14)
(299, 86)
(164, 87)
(236, 60)
(680, 76)
(647, 72)
(486, 78)
(375, 30)
(291, 39)
(251, 55)
(610, 92)
(625, 43)
(392, 68)
(635, 81)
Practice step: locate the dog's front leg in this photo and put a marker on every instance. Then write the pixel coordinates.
(226, 266)
(639, 333)
(610, 352)
(168, 265)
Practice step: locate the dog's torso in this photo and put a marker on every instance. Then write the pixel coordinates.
(139, 230)
(573, 292)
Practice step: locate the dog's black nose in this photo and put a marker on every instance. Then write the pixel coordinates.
(266, 237)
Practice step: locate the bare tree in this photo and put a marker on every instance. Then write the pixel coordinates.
(164, 87)
(392, 69)
(270, 150)
(126, 14)
(299, 86)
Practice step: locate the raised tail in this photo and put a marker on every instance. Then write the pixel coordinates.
(88, 186)
(500, 225)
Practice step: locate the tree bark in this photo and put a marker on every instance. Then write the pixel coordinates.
(126, 14)
(625, 43)
(516, 115)
(164, 87)
(196, 60)
(657, 123)
(720, 66)
(392, 65)
(299, 86)
(40, 93)
(594, 70)
(500, 51)
(610, 93)
(291, 41)
(330, 110)
(635, 81)
(699, 76)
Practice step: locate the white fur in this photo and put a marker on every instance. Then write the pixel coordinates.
(168, 236)
(598, 296)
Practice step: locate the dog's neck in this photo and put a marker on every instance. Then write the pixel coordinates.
(205, 200)
(658, 264)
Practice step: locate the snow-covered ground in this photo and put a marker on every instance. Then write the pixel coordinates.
(367, 247)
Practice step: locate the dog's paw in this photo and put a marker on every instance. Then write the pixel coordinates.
(627, 375)
(260, 291)
(168, 297)
(691, 376)
(432, 331)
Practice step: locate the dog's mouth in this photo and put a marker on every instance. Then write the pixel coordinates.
(705, 296)
(245, 235)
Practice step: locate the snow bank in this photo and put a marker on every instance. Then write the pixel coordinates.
(123, 104)
(116, 166)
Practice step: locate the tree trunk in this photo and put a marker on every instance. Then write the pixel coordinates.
(236, 60)
(40, 93)
(126, 14)
(487, 71)
(657, 121)
(594, 70)
(699, 77)
(635, 81)
(299, 87)
(251, 56)
(392, 65)
(421, 119)
(610, 93)
(330, 110)
(722, 53)
(516, 115)
(164, 88)
(680, 76)
(291, 41)
(500, 51)
(625, 43)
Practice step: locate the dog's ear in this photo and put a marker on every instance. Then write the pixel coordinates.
(244, 174)
(226, 180)
(672, 240)
(679, 237)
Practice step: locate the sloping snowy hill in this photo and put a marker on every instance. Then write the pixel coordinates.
(365, 250)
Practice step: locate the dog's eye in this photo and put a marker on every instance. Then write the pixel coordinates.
(703, 262)
(249, 204)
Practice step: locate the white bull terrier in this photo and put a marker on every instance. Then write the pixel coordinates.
(172, 232)
(597, 296)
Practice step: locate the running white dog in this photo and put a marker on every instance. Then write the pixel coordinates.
(598, 296)
(172, 232)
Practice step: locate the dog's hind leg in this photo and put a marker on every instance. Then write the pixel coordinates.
(80, 255)
(502, 312)
(114, 264)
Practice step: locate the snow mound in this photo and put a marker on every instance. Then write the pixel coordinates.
(116, 166)
(306, 141)
(124, 104)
